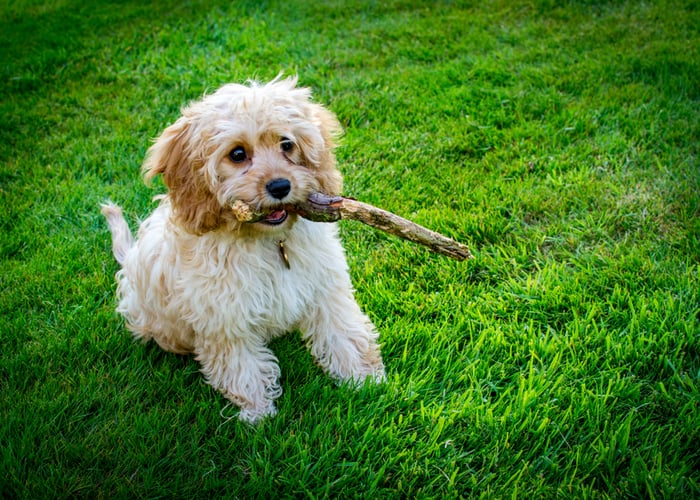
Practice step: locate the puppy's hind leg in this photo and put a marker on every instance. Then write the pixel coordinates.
(343, 340)
(246, 373)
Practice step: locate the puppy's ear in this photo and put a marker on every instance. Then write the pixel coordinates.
(328, 176)
(175, 156)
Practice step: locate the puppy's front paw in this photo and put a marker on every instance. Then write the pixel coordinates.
(254, 415)
(366, 373)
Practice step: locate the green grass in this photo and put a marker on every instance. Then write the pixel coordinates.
(559, 140)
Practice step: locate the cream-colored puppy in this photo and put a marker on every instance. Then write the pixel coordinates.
(196, 280)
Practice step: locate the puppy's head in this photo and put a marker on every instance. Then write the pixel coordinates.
(266, 145)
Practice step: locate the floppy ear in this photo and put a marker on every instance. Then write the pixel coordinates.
(175, 156)
(328, 176)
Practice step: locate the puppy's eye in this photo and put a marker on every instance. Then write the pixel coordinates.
(238, 154)
(286, 144)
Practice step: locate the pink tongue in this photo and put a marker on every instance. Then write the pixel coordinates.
(276, 215)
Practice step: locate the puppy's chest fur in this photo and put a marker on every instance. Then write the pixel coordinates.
(243, 286)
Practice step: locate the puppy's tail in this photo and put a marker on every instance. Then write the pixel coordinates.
(122, 240)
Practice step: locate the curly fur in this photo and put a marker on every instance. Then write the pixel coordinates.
(196, 280)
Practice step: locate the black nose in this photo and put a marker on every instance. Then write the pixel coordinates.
(279, 188)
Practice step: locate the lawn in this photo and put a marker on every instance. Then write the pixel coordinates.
(559, 140)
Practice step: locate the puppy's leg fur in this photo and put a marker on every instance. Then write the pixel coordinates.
(342, 339)
(245, 372)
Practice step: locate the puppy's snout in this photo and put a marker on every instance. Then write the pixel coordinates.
(279, 188)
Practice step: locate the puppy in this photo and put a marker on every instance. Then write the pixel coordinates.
(196, 280)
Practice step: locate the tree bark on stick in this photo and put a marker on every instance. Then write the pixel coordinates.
(323, 208)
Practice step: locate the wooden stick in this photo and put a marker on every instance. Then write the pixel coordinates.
(323, 208)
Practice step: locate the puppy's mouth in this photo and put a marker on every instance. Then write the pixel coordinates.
(275, 218)
(265, 216)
